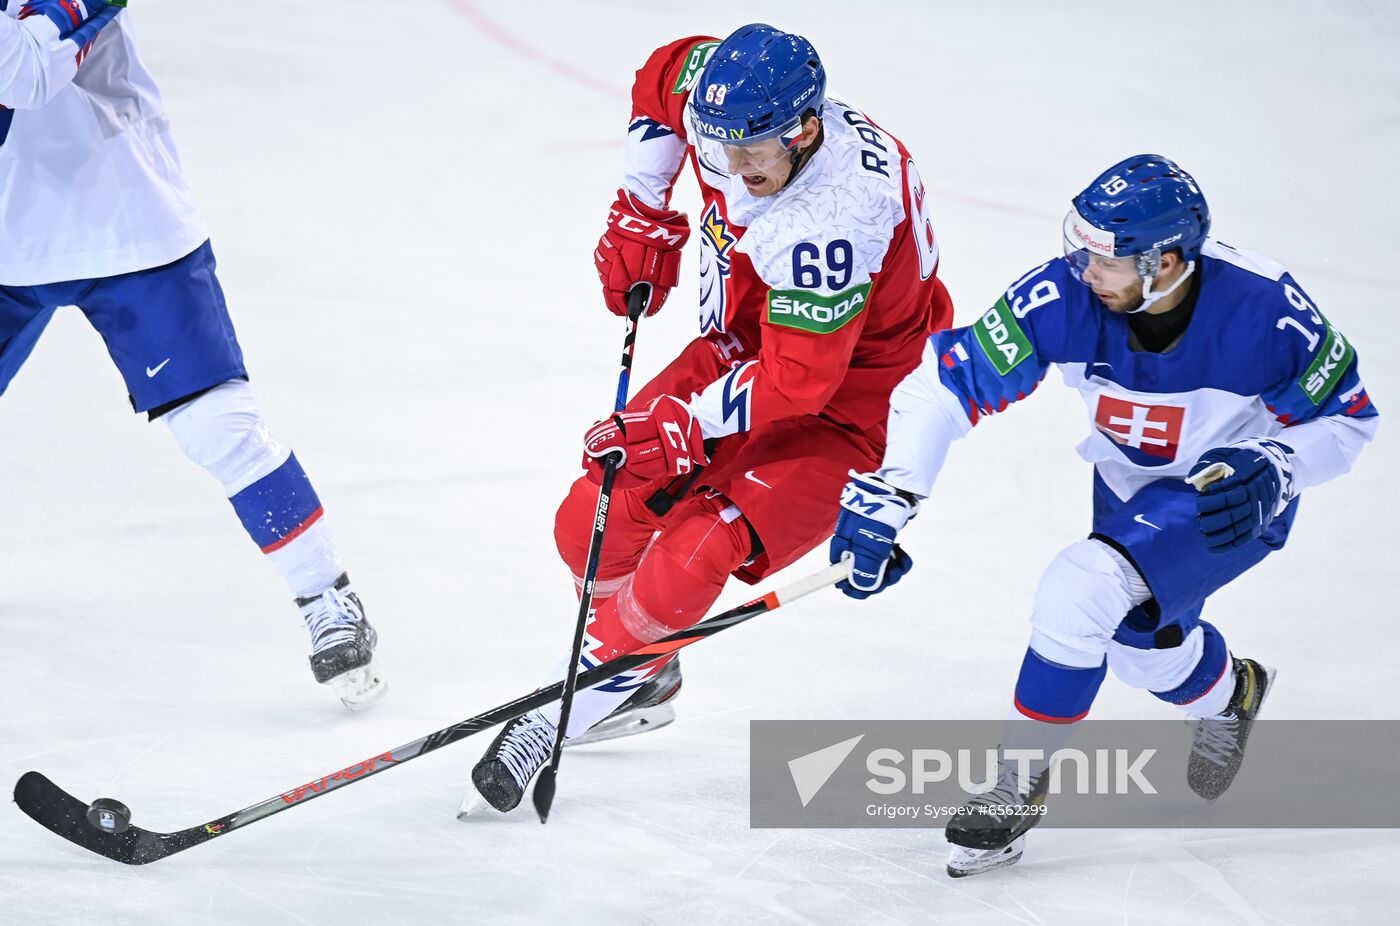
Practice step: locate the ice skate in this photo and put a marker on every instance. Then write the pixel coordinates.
(503, 774)
(992, 834)
(649, 708)
(342, 645)
(1217, 745)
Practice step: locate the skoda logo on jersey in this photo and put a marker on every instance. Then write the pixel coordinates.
(817, 312)
(1148, 435)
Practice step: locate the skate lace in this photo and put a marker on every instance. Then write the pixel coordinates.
(1216, 738)
(524, 749)
(332, 618)
(1004, 794)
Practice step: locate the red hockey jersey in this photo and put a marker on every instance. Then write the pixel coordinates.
(817, 298)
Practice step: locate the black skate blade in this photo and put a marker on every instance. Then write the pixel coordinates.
(62, 813)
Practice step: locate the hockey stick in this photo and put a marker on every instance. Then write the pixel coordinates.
(637, 298)
(1212, 473)
(65, 815)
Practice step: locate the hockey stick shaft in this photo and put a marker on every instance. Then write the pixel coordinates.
(64, 814)
(637, 299)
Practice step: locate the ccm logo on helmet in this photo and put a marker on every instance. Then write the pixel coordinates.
(1172, 240)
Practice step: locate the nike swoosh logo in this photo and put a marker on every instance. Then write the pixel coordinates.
(152, 371)
(1141, 520)
(752, 478)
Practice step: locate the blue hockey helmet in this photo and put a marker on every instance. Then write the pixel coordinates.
(756, 85)
(1140, 204)
(1140, 207)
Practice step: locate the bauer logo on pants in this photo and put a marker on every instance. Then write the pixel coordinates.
(1109, 773)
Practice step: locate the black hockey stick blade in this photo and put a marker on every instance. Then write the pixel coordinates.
(544, 793)
(61, 812)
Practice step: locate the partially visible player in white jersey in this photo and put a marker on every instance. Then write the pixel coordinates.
(1215, 392)
(95, 213)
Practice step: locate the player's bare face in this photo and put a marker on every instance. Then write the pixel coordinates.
(1115, 281)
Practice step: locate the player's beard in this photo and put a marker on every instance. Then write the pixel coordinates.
(1120, 301)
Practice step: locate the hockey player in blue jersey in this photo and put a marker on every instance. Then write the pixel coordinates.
(1216, 392)
(94, 212)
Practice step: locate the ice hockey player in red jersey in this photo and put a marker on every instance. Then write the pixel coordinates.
(817, 292)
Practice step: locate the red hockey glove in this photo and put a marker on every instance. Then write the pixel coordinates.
(658, 443)
(641, 245)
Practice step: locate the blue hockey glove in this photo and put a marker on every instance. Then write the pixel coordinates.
(872, 512)
(1256, 485)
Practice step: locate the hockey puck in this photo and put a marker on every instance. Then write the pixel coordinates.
(108, 815)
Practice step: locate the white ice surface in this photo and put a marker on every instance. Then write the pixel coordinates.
(405, 198)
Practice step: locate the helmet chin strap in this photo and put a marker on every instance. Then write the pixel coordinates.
(794, 159)
(1149, 297)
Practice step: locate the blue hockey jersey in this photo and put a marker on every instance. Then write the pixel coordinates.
(1256, 360)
